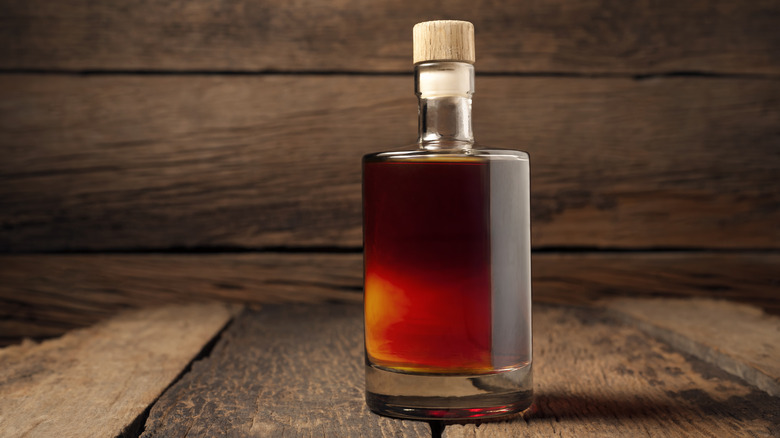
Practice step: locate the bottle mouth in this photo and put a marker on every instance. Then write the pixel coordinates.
(444, 78)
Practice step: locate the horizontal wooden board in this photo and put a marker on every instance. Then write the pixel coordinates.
(728, 36)
(154, 162)
(99, 381)
(45, 295)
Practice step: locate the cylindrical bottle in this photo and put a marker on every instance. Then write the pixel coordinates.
(447, 255)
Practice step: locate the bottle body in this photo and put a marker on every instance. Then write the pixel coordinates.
(447, 282)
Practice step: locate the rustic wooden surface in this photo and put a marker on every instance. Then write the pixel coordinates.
(150, 127)
(594, 377)
(158, 162)
(297, 371)
(282, 371)
(98, 382)
(739, 339)
(44, 295)
(552, 36)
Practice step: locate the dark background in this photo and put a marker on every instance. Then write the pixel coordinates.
(158, 151)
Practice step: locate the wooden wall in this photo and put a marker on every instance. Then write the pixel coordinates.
(157, 151)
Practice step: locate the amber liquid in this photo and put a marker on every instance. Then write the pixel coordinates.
(428, 265)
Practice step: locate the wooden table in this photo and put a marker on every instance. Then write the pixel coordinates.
(628, 367)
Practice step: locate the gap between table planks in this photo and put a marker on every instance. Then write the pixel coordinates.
(99, 381)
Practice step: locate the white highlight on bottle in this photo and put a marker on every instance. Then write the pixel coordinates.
(445, 79)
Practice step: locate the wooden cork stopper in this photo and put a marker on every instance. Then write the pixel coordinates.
(444, 40)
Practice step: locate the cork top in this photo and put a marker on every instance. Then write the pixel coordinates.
(444, 40)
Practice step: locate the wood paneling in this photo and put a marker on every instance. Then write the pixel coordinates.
(581, 278)
(728, 36)
(44, 295)
(231, 147)
(154, 162)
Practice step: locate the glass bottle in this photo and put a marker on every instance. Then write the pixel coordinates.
(447, 255)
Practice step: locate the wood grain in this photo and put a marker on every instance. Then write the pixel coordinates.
(727, 36)
(297, 370)
(99, 381)
(595, 378)
(45, 295)
(739, 339)
(282, 372)
(154, 162)
(582, 278)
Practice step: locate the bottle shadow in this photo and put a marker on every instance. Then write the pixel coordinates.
(559, 406)
(692, 403)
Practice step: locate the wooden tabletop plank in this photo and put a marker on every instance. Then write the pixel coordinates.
(740, 339)
(45, 295)
(598, 378)
(282, 371)
(723, 36)
(99, 381)
(159, 162)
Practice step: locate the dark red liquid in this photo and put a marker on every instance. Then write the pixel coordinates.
(427, 265)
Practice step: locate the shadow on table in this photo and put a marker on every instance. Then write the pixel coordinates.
(560, 406)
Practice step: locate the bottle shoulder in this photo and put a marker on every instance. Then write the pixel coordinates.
(477, 154)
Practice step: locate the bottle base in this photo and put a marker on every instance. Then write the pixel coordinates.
(448, 397)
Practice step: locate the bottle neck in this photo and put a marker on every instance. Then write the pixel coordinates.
(444, 91)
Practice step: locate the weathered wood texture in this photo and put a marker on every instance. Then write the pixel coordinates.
(44, 295)
(594, 378)
(297, 371)
(98, 382)
(739, 339)
(560, 35)
(282, 371)
(101, 162)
